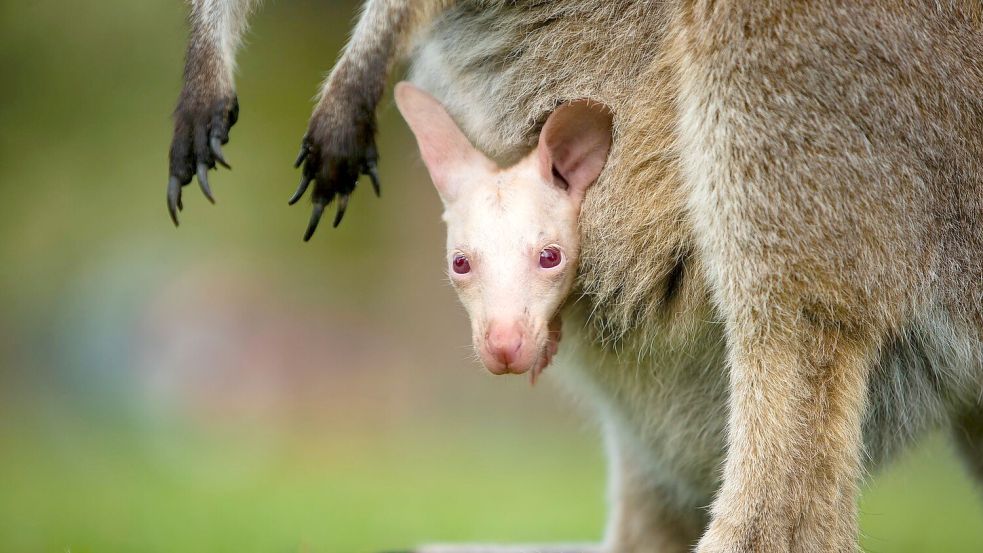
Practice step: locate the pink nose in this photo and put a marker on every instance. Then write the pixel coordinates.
(504, 342)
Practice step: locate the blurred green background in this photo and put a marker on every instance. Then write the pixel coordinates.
(225, 387)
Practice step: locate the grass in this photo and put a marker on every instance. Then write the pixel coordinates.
(91, 488)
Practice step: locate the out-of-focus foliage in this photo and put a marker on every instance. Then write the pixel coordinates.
(225, 387)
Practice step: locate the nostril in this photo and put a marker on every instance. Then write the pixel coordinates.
(504, 343)
(506, 352)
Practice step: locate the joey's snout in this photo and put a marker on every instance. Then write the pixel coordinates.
(516, 347)
(503, 348)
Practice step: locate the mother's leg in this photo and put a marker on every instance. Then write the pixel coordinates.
(809, 223)
(647, 514)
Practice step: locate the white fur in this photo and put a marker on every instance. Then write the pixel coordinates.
(223, 23)
(500, 220)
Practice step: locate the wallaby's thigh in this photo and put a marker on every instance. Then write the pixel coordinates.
(807, 135)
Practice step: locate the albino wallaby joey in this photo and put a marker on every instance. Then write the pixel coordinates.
(780, 267)
(512, 235)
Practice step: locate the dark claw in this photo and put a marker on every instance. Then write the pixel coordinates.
(216, 144)
(304, 150)
(174, 198)
(315, 219)
(201, 128)
(304, 183)
(334, 154)
(342, 206)
(373, 173)
(203, 182)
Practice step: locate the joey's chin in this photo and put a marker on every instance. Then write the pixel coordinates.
(520, 363)
(499, 368)
(532, 359)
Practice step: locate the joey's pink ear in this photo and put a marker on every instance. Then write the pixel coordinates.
(574, 144)
(446, 152)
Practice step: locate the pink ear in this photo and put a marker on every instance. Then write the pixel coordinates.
(574, 145)
(446, 152)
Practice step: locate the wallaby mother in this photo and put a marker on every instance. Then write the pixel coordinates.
(782, 262)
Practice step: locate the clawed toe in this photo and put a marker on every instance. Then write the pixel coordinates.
(174, 198)
(305, 181)
(203, 182)
(342, 206)
(196, 148)
(334, 165)
(373, 173)
(216, 144)
(316, 213)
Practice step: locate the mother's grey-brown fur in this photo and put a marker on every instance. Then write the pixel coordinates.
(500, 68)
(782, 265)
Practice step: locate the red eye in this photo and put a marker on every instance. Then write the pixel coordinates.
(461, 265)
(550, 257)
